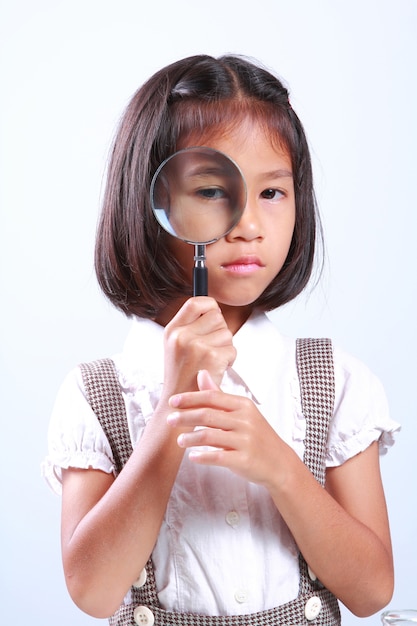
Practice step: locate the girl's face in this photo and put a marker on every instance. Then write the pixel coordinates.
(242, 264)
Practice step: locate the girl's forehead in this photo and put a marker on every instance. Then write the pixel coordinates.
(236, 137)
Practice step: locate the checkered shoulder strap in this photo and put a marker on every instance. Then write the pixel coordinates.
(103, 392)
(316, 374)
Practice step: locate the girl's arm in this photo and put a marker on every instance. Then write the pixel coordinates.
(342, 531)
(109, 527)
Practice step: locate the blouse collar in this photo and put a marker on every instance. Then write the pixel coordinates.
(258, 345)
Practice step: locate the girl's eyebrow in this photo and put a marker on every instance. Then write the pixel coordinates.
(203, 170)
(278, 174)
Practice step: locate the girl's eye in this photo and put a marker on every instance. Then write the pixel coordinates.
(272, 194)
(211, 193)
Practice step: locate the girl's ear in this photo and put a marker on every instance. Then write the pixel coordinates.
(205, 381)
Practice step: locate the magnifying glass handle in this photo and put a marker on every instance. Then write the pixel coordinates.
(200, 282)
(200, 274)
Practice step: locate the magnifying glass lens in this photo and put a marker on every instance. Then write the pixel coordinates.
(198, 195)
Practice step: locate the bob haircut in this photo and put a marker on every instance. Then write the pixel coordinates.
(196, 97)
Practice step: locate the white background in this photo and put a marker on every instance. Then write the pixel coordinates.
(68, 67)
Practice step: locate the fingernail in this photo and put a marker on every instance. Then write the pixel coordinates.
(174, 400)
(172, 418)
(194, 454)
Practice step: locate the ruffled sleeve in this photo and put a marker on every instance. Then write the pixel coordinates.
(75, 437)
(361, 413)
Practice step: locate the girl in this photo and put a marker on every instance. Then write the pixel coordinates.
(215, 499)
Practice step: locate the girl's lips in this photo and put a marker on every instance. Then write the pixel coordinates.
(243, 265)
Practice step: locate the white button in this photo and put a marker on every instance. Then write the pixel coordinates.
(312, 608)
(143, 616)
(141, 580)
(312, 575)
(241, 596)
(232, 518)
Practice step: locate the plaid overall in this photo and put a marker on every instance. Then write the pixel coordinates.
(314, 604)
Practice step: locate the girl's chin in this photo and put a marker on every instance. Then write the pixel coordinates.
(235, 299)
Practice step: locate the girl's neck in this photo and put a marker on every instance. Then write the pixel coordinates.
(235, 316)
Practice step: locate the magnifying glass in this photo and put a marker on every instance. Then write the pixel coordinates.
(198, 195)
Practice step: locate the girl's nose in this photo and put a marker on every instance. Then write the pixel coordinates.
(249, 226)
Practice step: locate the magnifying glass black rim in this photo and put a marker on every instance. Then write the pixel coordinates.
(196, 149)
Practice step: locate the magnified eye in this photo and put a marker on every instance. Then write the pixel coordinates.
(212, 193)
(272, 194)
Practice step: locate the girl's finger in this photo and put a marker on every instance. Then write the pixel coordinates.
(193, 309)
(209, 398)
(207, 418)
(203, 437)
(205, 381)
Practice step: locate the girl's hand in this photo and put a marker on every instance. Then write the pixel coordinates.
(342, 530)
(239, 436)
(196, 338)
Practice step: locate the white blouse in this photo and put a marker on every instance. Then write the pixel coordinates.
(223, 548)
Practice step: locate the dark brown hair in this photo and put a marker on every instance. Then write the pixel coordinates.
(196, 96)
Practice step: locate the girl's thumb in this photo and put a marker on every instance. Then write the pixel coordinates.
(205, 381)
